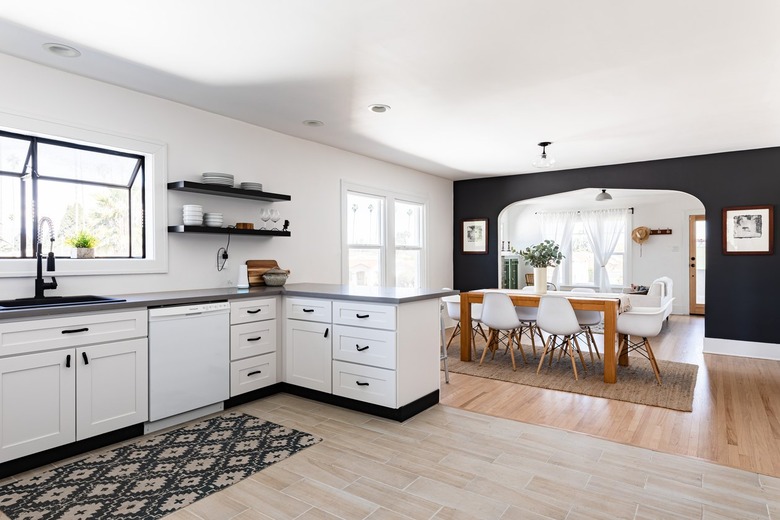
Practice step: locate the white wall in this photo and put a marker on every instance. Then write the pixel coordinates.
(199, 141)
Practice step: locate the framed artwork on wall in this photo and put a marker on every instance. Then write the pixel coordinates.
(748, 230)
(475, 236)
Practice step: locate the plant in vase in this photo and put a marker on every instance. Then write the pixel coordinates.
(541, 256)
(84, 243)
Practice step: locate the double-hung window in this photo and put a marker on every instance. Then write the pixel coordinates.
(383, 238)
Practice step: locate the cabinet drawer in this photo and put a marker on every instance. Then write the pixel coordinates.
(365, 346)
(309, 309)
(244, 311)
(71, 331)
(360, 314)
(252, 339)
(252, 373)
(367, 384)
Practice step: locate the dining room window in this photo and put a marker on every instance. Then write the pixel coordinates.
(582, 265)
(383, 238)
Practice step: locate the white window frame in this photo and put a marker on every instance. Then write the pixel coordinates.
(387, 245)
(627, 259)
(155, 200)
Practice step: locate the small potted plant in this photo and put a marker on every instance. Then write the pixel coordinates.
(541, 256)
(84, 245)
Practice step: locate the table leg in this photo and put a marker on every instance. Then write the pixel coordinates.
(623, 359)
(610, 329)
(465, 327)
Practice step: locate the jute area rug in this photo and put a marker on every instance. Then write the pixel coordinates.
(155, 476)
(635, 383)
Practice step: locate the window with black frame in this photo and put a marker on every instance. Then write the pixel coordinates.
(81, 188)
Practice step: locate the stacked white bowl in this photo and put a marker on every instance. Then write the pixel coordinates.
(223, 179)
(192, 214)
(213, 219)
(252, 186)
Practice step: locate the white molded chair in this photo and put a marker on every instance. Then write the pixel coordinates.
(644, 323)
(556, 317)
(587, 320)
(498, 313)
(453, 311)
(527, 316)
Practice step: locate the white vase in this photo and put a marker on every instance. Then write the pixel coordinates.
(540, 280)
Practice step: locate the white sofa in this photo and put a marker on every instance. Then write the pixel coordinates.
(659, 294)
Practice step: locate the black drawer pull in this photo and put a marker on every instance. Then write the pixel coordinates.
(255, 372)
(258, 338)
(308, 310)
(67, 361)
(254, 312)
(361, 384)
(86, 359)
(361, 316)
(359, 348)
(73, 331)
(326, 332)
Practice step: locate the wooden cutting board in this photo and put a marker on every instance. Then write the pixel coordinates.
(257, 268)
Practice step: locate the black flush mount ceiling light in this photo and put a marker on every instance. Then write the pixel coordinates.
(603, 196)
(545, 160)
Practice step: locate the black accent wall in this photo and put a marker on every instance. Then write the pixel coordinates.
(742, 291)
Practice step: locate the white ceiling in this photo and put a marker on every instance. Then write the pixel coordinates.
(474, 85)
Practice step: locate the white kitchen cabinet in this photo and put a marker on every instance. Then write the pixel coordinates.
(253, 345)
(308, 354)
(57, 396)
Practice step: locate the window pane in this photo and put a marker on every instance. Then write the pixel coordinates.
(84, 165)
(100, 211)
(10, 216)
(13, 154)
(408, 268)
(365, 267)
(364, 219)
(615, 269)
(137, 216)
(408, 224)
(582, 259)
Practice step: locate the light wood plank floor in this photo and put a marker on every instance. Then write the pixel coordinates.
(736, 410)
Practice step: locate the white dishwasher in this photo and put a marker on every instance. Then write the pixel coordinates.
(189, 359)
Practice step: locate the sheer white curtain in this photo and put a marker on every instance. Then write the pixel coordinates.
(557, 226)
(604, 228)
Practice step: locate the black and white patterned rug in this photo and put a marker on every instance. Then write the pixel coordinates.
(155, 476)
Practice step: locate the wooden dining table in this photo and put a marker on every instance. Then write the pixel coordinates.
(609, 304)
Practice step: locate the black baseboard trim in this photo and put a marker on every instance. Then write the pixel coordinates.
(254, 395)
(12, 467)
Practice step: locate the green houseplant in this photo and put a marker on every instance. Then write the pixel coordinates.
(541, 256)
(84, 243)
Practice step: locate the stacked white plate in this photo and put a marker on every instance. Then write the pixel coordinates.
(192, 214)
(212, 219)
(251, 186)
(223, 179)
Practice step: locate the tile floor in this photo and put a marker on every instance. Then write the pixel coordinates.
(447, 463)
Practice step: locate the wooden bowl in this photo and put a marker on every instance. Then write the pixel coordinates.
(244, 225)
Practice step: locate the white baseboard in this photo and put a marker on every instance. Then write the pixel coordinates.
(733, 347)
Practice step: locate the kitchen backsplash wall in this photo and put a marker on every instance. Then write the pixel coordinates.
(199, 141)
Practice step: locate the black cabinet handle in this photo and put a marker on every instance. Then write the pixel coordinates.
(361, 384)
(73, 331)
(361, 316)
(255, 372)
(67, 361)
(308, 310)
(86, 359)
(359, 348)
(255, 339)
(254, 312)
(326, 332)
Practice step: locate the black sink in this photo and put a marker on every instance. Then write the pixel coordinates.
(55, 301)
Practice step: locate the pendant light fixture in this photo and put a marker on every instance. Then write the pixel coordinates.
(603, 196)
(545, 160)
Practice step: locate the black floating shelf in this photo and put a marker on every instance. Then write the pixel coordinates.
(226, 191)
(226, 231)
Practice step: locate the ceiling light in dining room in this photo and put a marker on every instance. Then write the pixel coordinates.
(379, 108)
(313, 122)
(545, 160)
(603, 196)
(62, 50)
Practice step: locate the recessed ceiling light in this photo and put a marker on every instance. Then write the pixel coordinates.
(313, 122)
(62, 50)
(379, 109)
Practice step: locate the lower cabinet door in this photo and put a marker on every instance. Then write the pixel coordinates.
(307, 354)
(37, 402)
(368, 384)
(112, 386)
(252, 373)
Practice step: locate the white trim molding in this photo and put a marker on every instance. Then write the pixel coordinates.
(734, 347)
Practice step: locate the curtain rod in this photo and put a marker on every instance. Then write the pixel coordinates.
(579, 211)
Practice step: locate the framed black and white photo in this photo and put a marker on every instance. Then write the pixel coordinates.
(748, 230)
(475, 236)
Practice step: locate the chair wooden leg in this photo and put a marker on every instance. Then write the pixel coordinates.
(544, 353)
(512, 350)
(595, 347)
(531, 330)
(571, 355)
(579, 351)
(455, 332)
(553, 339)
(487, 346)
(653, 362)
(520, 348)
(480, 330)
(588, 342)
